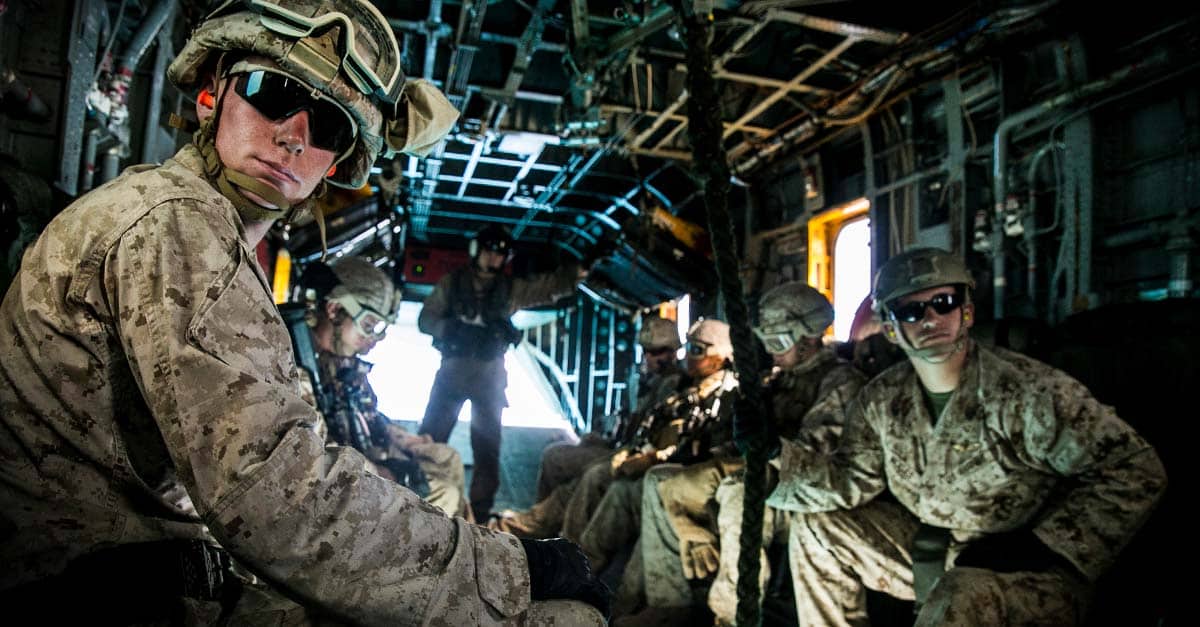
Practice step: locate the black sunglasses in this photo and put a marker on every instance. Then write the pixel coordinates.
(279, 97)
(941, 303)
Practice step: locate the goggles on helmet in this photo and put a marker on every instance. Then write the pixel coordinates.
(777, 341)
(943, 304)
(369, 322)
(278, 96)
(385, 89)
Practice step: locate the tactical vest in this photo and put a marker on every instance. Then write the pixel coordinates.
(794, 392)
(491, 306)
(354, 421)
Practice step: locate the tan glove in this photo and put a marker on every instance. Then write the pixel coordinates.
(618, 458)
(700, 559)
(636, 465)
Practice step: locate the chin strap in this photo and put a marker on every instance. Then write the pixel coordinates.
(231, 182)
(932, 354)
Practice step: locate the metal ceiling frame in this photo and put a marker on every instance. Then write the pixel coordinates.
(599, 56)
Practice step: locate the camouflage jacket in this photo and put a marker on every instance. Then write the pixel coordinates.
(707, 427)
(1019, 445)
(652, 391)
(811, 400)
(150, 392)
(655, 388)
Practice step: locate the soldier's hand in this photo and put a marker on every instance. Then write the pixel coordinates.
(409, 441)
(618, 458)
(408, 473)
(636, 465)
(558, 569)
(700, 559)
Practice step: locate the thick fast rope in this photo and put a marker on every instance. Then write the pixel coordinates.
(708, 154)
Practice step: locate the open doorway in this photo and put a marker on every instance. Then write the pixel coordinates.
(839, 260)
(405, 365)
(851, 273)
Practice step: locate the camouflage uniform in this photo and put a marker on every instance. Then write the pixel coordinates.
(810, 403)
(150, 394)
(562, 462)
(480, 379)
(1019, 445)
(616, 520)
(565, 467)
(440, 463)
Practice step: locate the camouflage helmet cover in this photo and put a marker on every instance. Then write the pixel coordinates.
(361, 284)
(796, 308)
(318, 59)
(915, 270)
(714, 334)
(658, 333)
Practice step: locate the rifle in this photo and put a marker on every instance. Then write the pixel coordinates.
(695, 438)
(343, 428)
(672, 407)
(342, 419)
(305, 352)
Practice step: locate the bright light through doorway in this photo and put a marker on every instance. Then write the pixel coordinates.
(851, 274)
(405, 365)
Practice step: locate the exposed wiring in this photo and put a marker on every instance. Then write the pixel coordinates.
(870, 109)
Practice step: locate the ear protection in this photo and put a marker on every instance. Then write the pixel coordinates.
(332, 169)
(966, 316)
(206, 99)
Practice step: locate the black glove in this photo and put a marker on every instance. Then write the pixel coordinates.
(1017, 551)
(558, 569)
(463, 340)
(751, 421)
(409, 474)
(503, 332)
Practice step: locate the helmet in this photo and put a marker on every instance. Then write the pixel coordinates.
(713, 335)
(915, 270)
(355, 284)
(658, 333)
(343, 48)
(492, 237)
(789, 312)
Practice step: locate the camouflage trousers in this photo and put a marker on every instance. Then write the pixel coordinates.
(443, 469)
(836, 556)
(564, 462)
(585, 499)
(678, 510)
(547, 517)
(615, 523)
(723, 596)
(543, 520)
